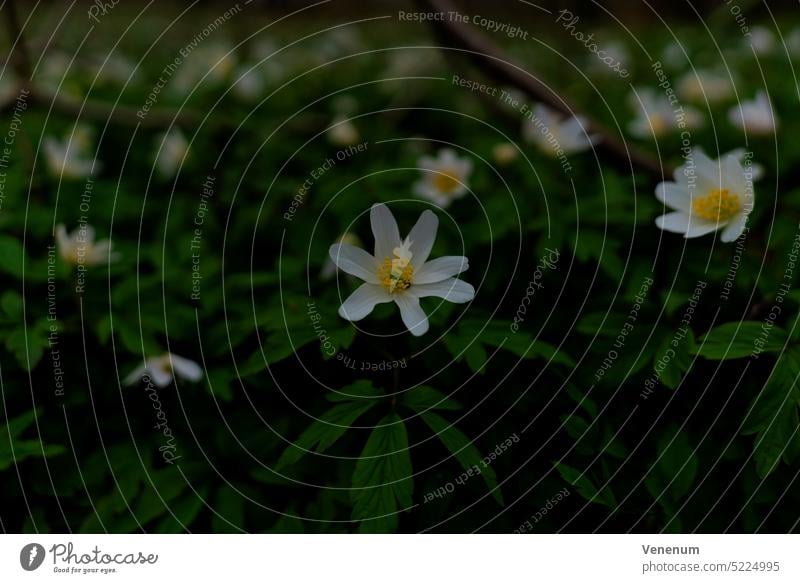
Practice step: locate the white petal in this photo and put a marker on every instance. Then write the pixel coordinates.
(698, 228)
(440, 269)
(362, 301)
(61, 237)
(452, 290)
(734, 229)
(135, 375)
(354, 261)
(422, 237)
(424, 189)
(385, 231)
(412, 314)
(674, 196)
(185, 368)
(676, 222)
(158, 374)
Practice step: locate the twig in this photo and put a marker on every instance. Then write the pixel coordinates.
(492, 60)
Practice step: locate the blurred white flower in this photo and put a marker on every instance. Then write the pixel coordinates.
(673, 55)
(756, 116)
(208, 65)
(171, 150)
(707, 195)
(762, 40)
(400, 272)
(71, 157)
(554, 134)
(505, 153)
(793, 41)
(656, 116)
(712, 86)
(613, 52)
(444, 178)
(8, 87)
(249, 83)
(753, 170)
(161, 370)
(53, 75)
(114, 70)
(343, 132)
(80, 248)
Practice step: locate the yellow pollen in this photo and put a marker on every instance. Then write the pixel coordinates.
(718, 205)
(395, 274)
(446, 180)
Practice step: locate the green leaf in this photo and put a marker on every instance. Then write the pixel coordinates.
(14, 450)
(323, 433)
(674, 472)
(12, 305)
(13, 255)
(423, 398)
(773, 416)
(382, 480)
(674, 358)
(361, 390)
(463, 450)
(586, 487)
(739, 340)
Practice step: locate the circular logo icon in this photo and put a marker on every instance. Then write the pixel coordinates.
(31, 556)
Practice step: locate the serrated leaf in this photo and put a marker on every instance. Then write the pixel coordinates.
(463, 450)
(739, 340)
(382, 480)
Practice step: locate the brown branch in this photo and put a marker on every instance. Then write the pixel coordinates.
(495, 63)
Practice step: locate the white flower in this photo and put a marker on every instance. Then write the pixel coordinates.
(162, 368)
(249, 82)
(554, 134)
(399, 271)
(708, 86)
(343, 132)
(80, 248)
(206, 66)
(762, 40)
(171, 151)
(756, 116)
(505, 153)
(71, 157)
(707, 195)
(656, 116)
(444, 178)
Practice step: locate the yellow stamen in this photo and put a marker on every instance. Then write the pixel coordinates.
(718, 205)
(446, 180)
(395, 274)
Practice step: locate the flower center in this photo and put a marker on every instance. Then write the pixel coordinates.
(446, 180)
(395, 273)
(718, 205)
